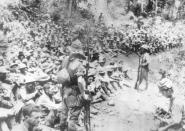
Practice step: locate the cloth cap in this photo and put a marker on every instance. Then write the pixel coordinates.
(102, 59)
(101, 72)
(13, 64)
(29, 79)
(22, 66)
(165, 83)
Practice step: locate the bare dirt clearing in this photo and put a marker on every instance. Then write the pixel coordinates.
(134, 110)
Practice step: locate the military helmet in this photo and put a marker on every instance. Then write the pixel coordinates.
(77, 56)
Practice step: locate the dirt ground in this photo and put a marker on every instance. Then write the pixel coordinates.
(133, 110)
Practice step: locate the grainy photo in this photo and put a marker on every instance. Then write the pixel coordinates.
(92, 65)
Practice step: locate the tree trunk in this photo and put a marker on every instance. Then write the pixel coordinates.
(70, 5)
(156, 7)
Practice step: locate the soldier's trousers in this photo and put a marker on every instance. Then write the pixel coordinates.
(70, 110)
(144, 76)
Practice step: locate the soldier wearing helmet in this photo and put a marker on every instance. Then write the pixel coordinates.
(73, 91)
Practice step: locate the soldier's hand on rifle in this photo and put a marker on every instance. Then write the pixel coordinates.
(86, 95)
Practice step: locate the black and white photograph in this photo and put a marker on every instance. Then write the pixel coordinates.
(92, 65)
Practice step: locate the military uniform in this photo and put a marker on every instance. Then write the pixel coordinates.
(72, 103)
(144, 67)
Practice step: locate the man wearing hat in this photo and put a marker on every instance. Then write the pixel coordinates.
(95, 88)
(76, 47)
(104, 81)
(27, 91)
(48, 102)
(23, 73)
(175, 108)
(73, 86)
(144, 62)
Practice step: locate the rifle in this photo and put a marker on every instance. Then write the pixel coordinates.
(87, 121)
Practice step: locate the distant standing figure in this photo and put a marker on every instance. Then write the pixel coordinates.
(143, 67)
(100, 18)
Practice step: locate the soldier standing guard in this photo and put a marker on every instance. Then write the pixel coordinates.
(143, 67)
(73, 85)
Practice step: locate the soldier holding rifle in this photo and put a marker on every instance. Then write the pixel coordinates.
(143, 69)
(73, 91)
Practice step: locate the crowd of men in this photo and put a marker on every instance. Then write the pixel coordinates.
(158, 38)
(34, 94)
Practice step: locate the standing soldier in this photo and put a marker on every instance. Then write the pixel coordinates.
(73, 85)
(143, 67)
